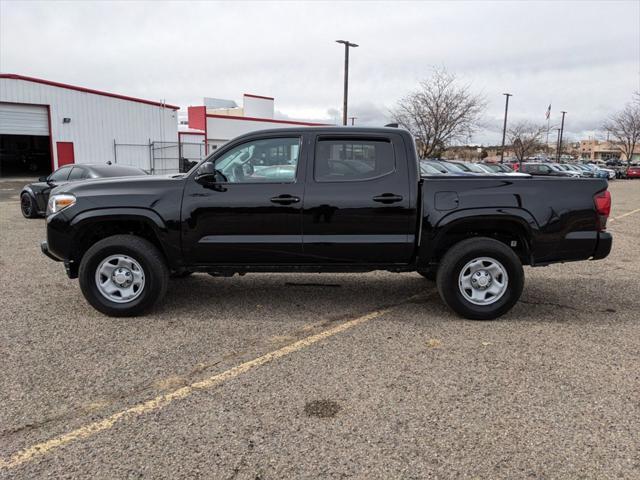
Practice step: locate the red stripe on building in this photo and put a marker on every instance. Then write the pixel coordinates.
(13, 76)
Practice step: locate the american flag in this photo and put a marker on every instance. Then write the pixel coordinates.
(548, 114)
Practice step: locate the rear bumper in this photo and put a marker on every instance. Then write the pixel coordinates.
(603, 247)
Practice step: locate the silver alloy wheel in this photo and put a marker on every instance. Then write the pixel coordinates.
(483, 281)
(120, 278)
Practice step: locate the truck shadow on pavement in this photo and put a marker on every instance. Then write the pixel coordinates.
(282, 295)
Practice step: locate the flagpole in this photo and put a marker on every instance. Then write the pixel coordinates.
(548, 124)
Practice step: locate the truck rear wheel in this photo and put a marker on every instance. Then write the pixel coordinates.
(123, 275)
(480, 278)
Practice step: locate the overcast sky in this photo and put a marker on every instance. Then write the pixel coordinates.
(583, 57)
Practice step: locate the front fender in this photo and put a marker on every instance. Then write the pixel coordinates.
(118, 213)
(65, 235)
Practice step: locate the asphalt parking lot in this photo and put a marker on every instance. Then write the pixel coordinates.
(321, 376)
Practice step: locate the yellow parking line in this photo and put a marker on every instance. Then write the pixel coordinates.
(161, 401)
(625, 215)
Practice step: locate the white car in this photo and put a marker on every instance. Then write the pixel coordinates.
(610, 173)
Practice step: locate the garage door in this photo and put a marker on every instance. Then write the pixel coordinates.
(18, 119)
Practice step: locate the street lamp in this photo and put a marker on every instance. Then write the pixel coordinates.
(504, 127)
(346, 44)
(560, 138)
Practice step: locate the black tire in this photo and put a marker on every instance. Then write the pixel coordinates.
(458, 257)
(429, 274)
(28, 206)
(156, 274)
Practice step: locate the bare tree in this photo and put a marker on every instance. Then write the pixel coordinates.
(624, 127)
(439, 112)
(525, 138)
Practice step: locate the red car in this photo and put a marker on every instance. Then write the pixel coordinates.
(633, 172)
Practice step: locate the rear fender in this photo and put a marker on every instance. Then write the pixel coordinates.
(452, 227)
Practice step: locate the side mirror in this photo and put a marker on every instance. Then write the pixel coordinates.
(208, 176)
(43, 179)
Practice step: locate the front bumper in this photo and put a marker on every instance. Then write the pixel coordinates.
(44, 246)
(603, 248)
(70, 267)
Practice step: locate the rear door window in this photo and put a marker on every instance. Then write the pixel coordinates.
(353, 159)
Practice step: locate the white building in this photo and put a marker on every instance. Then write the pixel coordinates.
(45, 124)
(218, 121)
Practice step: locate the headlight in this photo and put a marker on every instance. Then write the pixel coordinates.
(60, 202)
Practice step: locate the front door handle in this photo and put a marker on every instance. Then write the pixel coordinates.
(388, 198)
(285, 199)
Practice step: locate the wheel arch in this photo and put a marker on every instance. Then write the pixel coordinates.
(505, 225)
(94, 225)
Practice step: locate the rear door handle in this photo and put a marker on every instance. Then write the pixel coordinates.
(285, 199)
(388, 198)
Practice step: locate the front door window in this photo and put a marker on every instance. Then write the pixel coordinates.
(271, 160)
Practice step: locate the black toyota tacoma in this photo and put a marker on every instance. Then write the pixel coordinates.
(322, 200)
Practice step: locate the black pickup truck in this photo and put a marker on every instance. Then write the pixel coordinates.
(322, 200)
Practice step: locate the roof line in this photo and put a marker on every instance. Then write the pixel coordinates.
(271, 120)
(257, 96)
(14, 76)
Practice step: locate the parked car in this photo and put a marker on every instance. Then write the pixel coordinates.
(587, 172)
(498, 167)
(598, 172)
(450, 168)
(543, 169)
(469, 167)
(34, 196)
(559, 167)
(633, 171)
(506, 171)
(123, 239)
(569, 167)
(610, 172)
(427, 169)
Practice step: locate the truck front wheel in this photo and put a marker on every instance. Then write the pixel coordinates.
(123, 275)
(480, 278)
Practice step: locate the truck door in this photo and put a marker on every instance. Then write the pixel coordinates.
(251, 213)
(357, 205)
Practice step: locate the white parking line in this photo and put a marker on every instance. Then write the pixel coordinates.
(624, 215)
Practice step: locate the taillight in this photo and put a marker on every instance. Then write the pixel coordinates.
(602, 202)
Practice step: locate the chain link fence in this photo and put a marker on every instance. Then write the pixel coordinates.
(160, 157)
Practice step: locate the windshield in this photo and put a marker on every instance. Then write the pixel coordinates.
(452, 167)
(461, 166)
(435, 166)
(474, 168)
(427, 169)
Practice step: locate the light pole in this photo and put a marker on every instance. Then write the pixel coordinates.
(353, 120)
(504, 127)
(560, 138)
(347, 44)
(558, 145)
